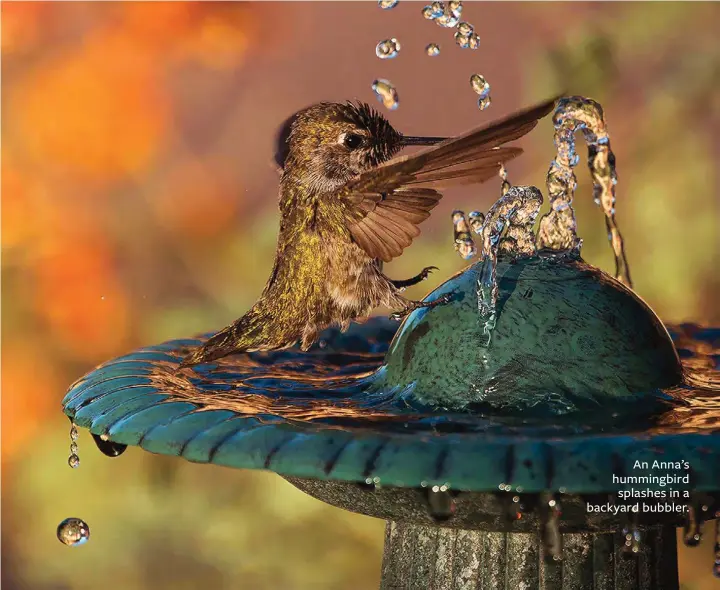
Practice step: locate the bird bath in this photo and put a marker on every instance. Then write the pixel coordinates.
(497, 435)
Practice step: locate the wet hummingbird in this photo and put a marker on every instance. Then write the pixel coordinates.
(347, 205)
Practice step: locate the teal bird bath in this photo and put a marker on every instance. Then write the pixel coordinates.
(460, 457)
(544, 429)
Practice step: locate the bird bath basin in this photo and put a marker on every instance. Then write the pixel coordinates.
(498, 435)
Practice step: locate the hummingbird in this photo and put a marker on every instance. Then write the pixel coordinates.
(347, 205)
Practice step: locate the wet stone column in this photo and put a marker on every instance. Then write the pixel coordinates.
(419, 557)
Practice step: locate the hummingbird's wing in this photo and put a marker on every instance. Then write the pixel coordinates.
(383, 206)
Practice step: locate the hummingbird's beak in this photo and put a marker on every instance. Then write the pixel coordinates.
(407, 140)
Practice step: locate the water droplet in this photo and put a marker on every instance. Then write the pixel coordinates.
(434, 10)
(455, 8)
(428, 13)
(462, 41)
(73, 459)
(387, 4)
(386, 93)
(476, 219)
(109, 448)
(632, 536)
(505, 186)
(387, 49)
(447, 20)
(465, 28)
(433, 49)
(484, 103)
(73, 532)
(464, 243)
(480, 85)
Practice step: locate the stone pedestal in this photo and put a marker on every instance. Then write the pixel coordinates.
(419, 557)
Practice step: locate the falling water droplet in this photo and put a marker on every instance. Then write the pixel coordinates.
(74, 434)
(387, 49)
(465, 29)
(74, 461)
(462, 41)
(433, 49)
(484, 103)
(692, 531)
(447, 20)
(109, 448)
(387, 4)
(464, 243)
(455, 7)
(386, 93)
(480, 85)
(73, 532)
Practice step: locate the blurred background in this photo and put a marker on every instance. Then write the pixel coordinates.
(139, 204)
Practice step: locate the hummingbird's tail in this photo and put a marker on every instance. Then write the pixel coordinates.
(243, 335)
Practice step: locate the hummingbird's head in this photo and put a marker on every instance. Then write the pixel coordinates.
(331, 143)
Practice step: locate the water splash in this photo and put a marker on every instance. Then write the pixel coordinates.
(464, 243)
(73, 532)
(73, 459)
(386, 93)
(505, 187)
(514, 214)
(558, 228)
(432, 49)
(387, 4)
(387, 49)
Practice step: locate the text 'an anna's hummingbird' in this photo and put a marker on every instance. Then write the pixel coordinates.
(346, 207)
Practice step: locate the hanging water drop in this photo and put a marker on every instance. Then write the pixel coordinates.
(550, 526)
(480, 85)
(73, 532)
(484, 103)
(464, 243)
(73, 459)
(108, 447)
(387, 4)
(386, 93)
(441, 504)
(433, 49)
(387, 49)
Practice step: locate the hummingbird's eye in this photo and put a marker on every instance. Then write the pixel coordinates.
(352, 141)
